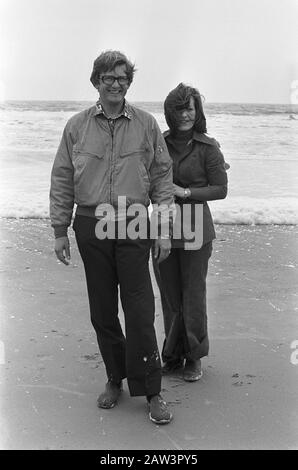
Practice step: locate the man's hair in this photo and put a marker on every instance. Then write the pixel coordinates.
(107, 61)
(177, 100)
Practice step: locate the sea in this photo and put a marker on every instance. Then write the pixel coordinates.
(259, 141)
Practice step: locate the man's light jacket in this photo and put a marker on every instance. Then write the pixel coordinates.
(98, 160)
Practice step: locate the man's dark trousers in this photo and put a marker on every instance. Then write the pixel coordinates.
(109, 263)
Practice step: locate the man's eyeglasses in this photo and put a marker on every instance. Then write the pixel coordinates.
(110, 79)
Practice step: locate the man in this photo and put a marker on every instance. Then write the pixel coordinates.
(108, 151)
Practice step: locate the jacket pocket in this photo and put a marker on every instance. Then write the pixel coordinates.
(80, 156)
(133, 152)
(132, 175)
(88, 176)
(82, 160)
(142, 161)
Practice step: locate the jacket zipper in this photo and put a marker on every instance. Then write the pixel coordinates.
(112, 128)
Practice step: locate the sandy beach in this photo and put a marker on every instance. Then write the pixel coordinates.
(51, 372)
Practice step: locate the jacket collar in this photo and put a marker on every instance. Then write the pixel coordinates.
(98, 110)
(197, 136)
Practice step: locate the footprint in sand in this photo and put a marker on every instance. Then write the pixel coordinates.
(240, 382)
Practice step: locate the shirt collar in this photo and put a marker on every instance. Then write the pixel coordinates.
(100, 111)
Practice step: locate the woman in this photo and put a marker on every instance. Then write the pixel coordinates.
(199, 176)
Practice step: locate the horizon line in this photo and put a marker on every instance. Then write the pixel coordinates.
(149, 101)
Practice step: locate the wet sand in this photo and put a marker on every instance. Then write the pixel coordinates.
(51, 372)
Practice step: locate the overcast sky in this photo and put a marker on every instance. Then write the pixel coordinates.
(232, 50)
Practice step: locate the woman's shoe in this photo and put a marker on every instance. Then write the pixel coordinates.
(171, 366)
(192, 370)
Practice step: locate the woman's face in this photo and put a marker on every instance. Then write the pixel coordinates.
(187, 116)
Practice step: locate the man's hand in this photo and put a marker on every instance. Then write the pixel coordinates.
(162, 249)
(62, 249)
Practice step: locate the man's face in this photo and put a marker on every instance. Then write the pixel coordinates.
(113, 93)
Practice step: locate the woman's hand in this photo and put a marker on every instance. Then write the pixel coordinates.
(178, 191)
(183, 193)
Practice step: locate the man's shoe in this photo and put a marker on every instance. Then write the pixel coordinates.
(171, 366)
(158, 410)
(109, 397)
(192, 371)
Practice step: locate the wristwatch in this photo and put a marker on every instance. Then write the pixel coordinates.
(187, 193)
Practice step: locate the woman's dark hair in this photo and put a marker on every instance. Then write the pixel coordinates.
(177, 100)
(107, 61)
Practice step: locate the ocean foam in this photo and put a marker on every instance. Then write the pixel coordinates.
(254, 211)
(248, 211)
